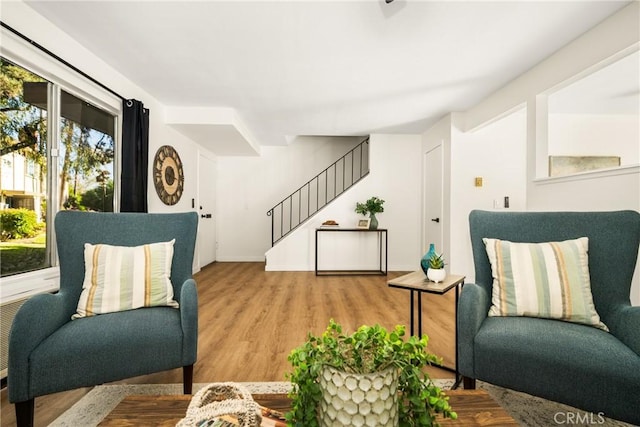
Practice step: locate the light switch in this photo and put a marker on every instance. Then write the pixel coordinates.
(478, 181)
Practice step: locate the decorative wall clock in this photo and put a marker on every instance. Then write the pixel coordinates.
(168, 175)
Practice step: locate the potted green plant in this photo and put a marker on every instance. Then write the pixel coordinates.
(361, 367)
(436, 272)
(372, 207)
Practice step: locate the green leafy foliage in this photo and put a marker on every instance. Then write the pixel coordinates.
(436, 261)
(99, 198)
(369, 349)
(18, 224)
(373, 205)
(85, 153)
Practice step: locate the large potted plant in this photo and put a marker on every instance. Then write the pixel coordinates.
(338, 380)
(371, 207)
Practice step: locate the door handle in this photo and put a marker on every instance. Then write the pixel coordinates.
(435, 219)
(205, 216)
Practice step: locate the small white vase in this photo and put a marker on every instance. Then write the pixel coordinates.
(436, 275)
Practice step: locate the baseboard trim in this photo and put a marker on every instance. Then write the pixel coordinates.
(240, 259)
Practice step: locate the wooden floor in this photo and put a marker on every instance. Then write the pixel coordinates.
(251, 319)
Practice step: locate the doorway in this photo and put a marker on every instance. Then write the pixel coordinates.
(432, 199)
(206, 209)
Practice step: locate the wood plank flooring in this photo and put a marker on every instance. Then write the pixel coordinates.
(251, 319)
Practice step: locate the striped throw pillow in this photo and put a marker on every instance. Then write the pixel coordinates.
(119, 278)
(549, 280)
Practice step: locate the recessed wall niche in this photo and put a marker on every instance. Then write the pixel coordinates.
(593, 121)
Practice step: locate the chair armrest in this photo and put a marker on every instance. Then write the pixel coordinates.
(38, 318)
(473, 307)
(624, 324)
(189, 319)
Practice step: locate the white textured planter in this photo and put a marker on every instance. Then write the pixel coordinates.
(436, 275)
(358, 399)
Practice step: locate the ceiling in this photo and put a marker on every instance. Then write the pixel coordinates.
(288, 68)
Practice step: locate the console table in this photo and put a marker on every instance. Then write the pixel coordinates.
(382, 246)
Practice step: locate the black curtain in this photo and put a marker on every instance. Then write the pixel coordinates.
(135, 157)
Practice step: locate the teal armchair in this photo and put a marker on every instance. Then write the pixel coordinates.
(49, 353)
(571, 363)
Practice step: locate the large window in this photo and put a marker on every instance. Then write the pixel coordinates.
(57, 153)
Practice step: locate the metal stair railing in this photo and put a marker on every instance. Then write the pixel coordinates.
(295, 209)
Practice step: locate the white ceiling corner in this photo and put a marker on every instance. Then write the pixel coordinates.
(218, 129)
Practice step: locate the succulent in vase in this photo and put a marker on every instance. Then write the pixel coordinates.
(436, 272)
(436, 261)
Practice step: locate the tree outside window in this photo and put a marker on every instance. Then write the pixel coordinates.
(84, 164)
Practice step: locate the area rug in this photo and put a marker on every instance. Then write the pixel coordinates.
(532, 411)
(527, 410)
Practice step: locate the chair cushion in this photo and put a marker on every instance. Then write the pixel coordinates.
(566, 362)
(549, 279)
(105, 348)
(119, 278)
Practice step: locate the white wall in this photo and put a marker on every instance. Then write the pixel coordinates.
(247, 187)
(395, 169)
(161, 134)
(497, 153)
(596, 135)
(619, 189)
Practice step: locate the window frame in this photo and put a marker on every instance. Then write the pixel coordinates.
(60, 77)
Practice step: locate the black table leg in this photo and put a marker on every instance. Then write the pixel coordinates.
(419, 314)
(458, 376)
(412, 329)
(416, 307)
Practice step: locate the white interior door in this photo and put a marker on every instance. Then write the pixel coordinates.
(206, 211)
(433, 228)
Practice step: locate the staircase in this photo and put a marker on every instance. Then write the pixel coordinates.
(295, 209)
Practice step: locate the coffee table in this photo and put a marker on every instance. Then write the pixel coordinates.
(474, 408)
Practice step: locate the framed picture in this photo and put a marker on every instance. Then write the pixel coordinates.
(567, 165)
(363, 223)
